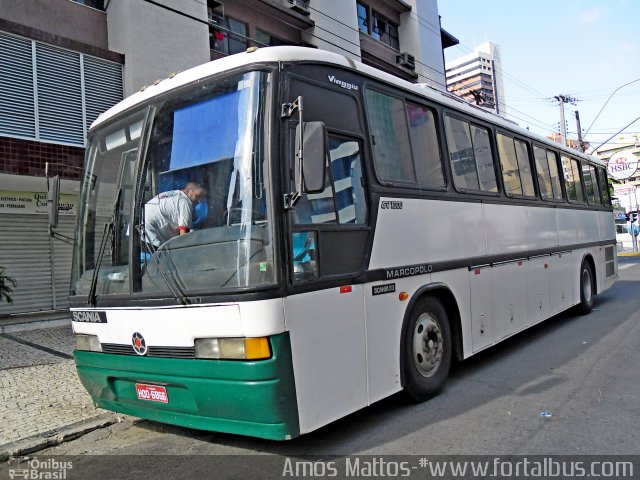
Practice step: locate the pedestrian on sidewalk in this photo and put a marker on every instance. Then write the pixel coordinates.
(634, 231)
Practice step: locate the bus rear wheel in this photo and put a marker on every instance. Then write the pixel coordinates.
(587, 288)
(427, 347)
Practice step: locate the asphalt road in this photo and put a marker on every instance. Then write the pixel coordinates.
(582, 371)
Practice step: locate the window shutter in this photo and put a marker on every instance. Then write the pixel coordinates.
(102, 86)
(59, 95)
(17, 111)
(63, 103)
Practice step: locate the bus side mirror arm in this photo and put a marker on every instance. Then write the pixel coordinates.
(53, 201)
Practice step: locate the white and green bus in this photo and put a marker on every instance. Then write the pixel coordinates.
(358, 233)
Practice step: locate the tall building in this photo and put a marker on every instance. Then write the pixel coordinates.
(477, 77)
(63, 62)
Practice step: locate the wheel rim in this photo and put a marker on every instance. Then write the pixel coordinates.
(587, 290)
(428, 345)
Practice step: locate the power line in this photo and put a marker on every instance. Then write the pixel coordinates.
(617, 133)
(605, 103)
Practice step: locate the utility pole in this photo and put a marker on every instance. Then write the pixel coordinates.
(580, 141)
(562, 99)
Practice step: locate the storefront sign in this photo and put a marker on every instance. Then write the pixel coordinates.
(30, 203)
(622, 165)
(620, 190)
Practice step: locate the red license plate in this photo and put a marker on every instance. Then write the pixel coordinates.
(153, 393)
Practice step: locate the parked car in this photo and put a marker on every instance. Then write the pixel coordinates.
(623, 237)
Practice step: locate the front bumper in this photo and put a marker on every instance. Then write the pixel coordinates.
(255, 398)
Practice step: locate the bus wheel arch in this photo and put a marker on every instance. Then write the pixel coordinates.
(588, 285)
(429, 341)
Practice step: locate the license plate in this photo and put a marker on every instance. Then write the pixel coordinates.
(153, 393)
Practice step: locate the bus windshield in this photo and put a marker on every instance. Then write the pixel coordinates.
(188, 212)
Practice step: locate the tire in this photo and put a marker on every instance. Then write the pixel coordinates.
(587, 289)
(426, 350)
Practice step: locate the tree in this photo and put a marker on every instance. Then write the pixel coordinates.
(7, 284)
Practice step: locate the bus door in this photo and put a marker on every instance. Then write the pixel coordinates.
(327, 242)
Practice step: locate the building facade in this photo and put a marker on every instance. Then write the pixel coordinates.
(477, 77)
(63, 62)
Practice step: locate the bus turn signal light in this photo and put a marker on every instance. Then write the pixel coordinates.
(403, 296)
(256, 348)
(233, 348)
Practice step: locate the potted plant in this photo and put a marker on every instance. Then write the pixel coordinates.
(7, 284)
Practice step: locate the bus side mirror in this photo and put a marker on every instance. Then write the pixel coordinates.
(53, 200)
(314, 156)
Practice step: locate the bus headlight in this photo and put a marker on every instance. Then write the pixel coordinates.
(88, 343)
(233, 348)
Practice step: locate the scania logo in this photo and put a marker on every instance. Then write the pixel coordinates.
(139, 344)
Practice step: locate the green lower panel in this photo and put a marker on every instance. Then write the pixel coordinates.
(255, 398)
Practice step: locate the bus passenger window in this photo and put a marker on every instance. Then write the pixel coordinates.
(544, 176)
(604, 187)
(544, 179)
(509, 165)
(572, 179)
(484, 159)
(470, 156)
(516, 170)
(555, 176)
(424, 142)
(591, 184)
(391, 148)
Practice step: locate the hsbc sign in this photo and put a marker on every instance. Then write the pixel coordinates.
(622, 165)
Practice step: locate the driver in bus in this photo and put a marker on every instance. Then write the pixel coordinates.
(170, 214)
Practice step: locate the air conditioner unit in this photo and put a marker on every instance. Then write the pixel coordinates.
(406, 60)
(300, 6)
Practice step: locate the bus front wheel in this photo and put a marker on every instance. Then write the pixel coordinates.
(587, 288)
(427, 347)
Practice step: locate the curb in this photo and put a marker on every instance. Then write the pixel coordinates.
(636, 254)
(57, 436)
(22, 323)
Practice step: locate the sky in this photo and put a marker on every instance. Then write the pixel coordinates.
(585, 49)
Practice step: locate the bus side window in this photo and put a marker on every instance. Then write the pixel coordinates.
(604, 187)
(591, 184)
(555, 175)
(544, 175)
(305, 265)
(572, 179)
(391, 145)
(470, 156)
(343, 199)
(424, 142)
(516, 169)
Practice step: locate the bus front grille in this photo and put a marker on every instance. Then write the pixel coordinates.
(167, 352)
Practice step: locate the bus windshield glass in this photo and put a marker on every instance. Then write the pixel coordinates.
(192, 212)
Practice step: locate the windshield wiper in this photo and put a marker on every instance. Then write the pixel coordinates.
(108, 231)
(172, 284)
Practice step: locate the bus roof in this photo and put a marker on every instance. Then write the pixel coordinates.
(303, 54)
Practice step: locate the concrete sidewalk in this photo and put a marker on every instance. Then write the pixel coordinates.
(42, 401)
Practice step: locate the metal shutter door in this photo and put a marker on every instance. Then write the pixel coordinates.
(26, 254)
